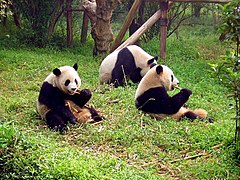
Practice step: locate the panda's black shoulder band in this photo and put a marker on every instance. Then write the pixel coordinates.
(152, 65)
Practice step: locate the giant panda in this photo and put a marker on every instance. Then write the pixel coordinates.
(131, 62)
(59, 94)
(151, 96)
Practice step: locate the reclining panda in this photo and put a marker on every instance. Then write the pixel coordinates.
(60, 101)
(151, 96)
(131, 62)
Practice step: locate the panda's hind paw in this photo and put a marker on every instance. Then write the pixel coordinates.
(211, 120)
(72, 121)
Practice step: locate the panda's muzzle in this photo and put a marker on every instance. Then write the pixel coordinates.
(72, 91)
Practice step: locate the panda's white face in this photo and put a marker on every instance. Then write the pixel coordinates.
(67, 80)
(157, 76)
(167, 78)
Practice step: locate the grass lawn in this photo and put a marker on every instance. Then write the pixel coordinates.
(128, 144)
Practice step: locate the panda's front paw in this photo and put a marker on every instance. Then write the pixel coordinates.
(186, 92)
(86, 93)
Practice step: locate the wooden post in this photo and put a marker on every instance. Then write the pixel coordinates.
(84, 28)
(163, 28)
(133, 38)
(69, 23)
(128, 20)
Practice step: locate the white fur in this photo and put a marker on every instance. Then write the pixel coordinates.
(67, 72)
(106, 67)
(152, 80)
(141, 57)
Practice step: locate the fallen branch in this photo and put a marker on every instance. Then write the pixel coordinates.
(189, 157)
(217, 146)
(113, 101)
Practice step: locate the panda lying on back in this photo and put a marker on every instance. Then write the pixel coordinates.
(131, 62)
(151, 96)
(61, 87)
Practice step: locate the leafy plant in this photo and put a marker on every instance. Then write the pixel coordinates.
(228, 71)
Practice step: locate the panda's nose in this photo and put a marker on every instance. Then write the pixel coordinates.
(73, 89)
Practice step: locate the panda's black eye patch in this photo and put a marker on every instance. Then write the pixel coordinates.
(76, 81)
(67, 82)
(172, 78)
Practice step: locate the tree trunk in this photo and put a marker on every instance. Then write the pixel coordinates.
(69, 23)
(197, 9)
(100, 13)
(101, 31)
(56, 14)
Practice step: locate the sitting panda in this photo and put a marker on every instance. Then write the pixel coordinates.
(151, 96)
(59, 90)
(131, 62)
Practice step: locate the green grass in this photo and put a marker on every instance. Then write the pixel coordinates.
(128, 144)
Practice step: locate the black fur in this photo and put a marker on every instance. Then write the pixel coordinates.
(125, 67)
(191, 115)
(156, 100)
(54, 99)
(125, 62)
(95, 116)
(135, 76)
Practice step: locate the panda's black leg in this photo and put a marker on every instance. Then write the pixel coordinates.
(56, 122)
(135, 76)
(95, 116)
(118, 78)
(191, 115)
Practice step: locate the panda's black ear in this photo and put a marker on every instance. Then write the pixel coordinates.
(56, 72)
(150, 61)
(75, 66)
(156, 58)
(159, 69)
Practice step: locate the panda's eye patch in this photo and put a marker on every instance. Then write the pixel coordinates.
(67, 82)
(172, 78)
(76, 81)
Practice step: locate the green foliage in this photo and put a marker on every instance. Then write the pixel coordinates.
(229, 70)
(128, 144)
(37, 15)
(230, 27)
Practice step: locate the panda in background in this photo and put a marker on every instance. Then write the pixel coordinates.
(131, 62)
(61, 87)
(151, 96)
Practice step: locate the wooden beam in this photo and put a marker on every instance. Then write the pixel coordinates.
(163, 28)
(127, 22)
(134, 37)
